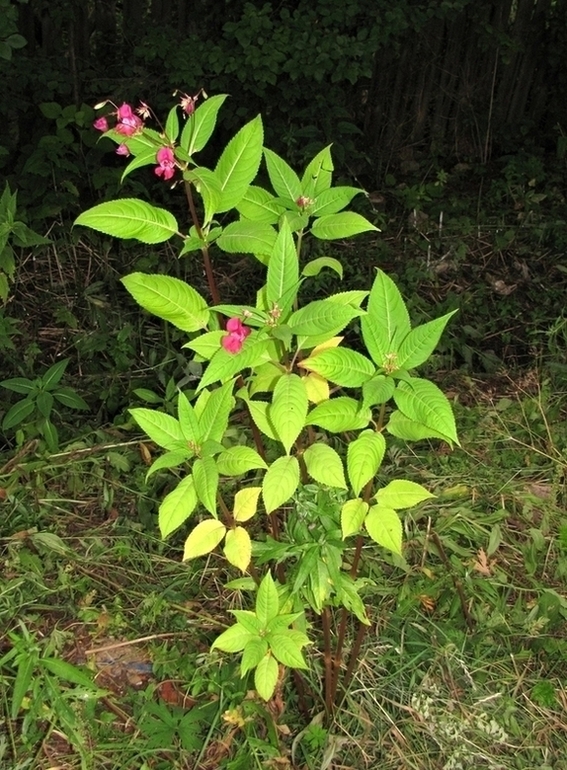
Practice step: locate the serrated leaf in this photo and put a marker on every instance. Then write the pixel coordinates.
(208, 186)
(317, 388)
(286, 651)
(172, 125)
(239, 163)
(246, 503)
(364, 457)
(321, 317)
(200, 125)
(378, 390)
(315, 266)
(224, 364)
(385, 528)
(163, 429)
(267, 600)
(204, 539)
(402, 427)
(206, 480)
(344, 225)
(283, 270)
(213, 420)
(400, 494)
(130, 218)
(420, 343)
(145, 158)
(238, 548)
(265, 378)
(266, 677)
(353, 514)
(324, 465)
(253, 653)
(280, 482)
(342, 366)
(318, 174)
(288, 409)
(207, 344)
(169, 298)
(169, 460)
(260, 206)
(177, 506)
(238, 460)
(423, 402)
(247, 237)
(386, 322)
(283, 178)
(339, 414)
(188, 421)
(259, 411)
(334, 200)
(234, 639)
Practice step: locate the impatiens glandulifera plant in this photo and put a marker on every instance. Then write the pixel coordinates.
(285, 434)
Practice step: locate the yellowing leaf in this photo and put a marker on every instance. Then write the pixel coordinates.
(246, 503)
(352, 516)
(385, 528)
(204, 538)
(332, 343)
(317, 388)
(238, 548)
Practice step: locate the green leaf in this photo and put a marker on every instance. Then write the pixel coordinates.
(315, 266)
(169, 298)
(267, 600)
(378, 390)
(234, 639)
(52, 376)
(69, 398)
(63, 670)
(246, 503)
(239, 163)
(342, 366)
(348, 595)
(49, 433)
(289, 409)
(260, 413)
(385, 528)
(27, 663)
(423, 402)
(130, 218)
(266, 677)
(203, 539)
(19, 385)
(353, 514)
(172, 125)
(238, 460)
(177, 506)
(420, 343)
(386, 322)
(283, 272)
(321, 317)
(200, 125)
(344, 225)
(44, 403)
(325, 466)
(238, 548)
(169, 460)
(286, 651)
(24, 237)
(339, 414)
(224, 364)
(188, 421)
(248, 237)
(334, 200)
(253, 653)
(364, 457)
(402, 427)
(249, 621)
(206, 480)
(280, 482)
(318, 174)
(260, 206)
(163, 429)
(145, 158)
(402, 494)
(283, 178)
(207, 344)
(213, 421)
(208, 186)
(18, 413)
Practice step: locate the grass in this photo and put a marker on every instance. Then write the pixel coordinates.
(464, 666)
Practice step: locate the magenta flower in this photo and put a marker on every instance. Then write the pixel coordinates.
(101, 124)
(122, 149)
(237, 333)
(166, 160)
(128, 123)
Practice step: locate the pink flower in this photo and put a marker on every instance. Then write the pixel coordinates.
(128, 123)
(166, 161)
(101, 124)
(122, 149)
(237, 333)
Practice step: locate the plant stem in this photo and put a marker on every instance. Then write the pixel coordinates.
(354, 654)
(205, 249)
(329, 694)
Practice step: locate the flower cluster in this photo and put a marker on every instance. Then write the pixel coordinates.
(237, 333)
